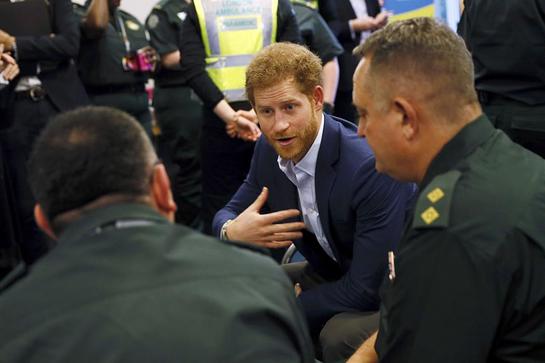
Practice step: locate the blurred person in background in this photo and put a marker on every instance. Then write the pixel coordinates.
(356, 20)
(178, 111)
(115, 59)
(322, 42)
(509, 65)
(43, 37)
(10, 253)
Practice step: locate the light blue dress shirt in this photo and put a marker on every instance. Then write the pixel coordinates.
(302, 175)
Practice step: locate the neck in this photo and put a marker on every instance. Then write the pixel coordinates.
(443, 130)
(64, 219)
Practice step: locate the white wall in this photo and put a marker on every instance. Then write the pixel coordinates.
(138, 8)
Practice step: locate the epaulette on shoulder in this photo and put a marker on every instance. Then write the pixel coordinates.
(161, 4)
(128, 16)
(248, 246)
(433, 206)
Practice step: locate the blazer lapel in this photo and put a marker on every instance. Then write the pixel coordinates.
(326, 174)
(288, 197)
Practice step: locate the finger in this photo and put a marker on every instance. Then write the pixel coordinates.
(242, 113)
(10, 72)
(256, 130)
(260, 200)
(279, 216)
(8, 58)
(285, 227)
(283, 236)
(275, 244)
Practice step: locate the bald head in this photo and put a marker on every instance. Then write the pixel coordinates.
(86, 154)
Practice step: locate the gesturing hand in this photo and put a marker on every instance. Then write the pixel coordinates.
(264, 229)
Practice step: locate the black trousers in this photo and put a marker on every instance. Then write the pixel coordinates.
(343, 333)
(27, 118)
(10, 253)
(225, 163)
(523, 123)
(180, 120)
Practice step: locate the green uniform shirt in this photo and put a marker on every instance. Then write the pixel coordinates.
(125, 285)
(100, 59)
(164, 25)
(468, 282)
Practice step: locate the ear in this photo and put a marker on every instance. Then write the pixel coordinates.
(42, 221)
(409, 117)
(161, 192)
(318, 97)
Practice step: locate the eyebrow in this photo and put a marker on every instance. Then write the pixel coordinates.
(289, 100)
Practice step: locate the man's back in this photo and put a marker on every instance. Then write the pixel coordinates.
(124, 285)
(507, 43)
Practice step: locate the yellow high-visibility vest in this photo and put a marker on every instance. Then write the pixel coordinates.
(310, 3)
(233, 31)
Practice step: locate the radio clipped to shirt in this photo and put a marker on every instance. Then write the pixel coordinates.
(140, 61)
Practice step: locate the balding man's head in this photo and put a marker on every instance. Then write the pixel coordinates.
(421, 59)
(89, 153)
(414, 91)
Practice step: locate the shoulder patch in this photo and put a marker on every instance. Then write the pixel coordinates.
(433, 205)
(182, 15)
(132, 25)
(153, 20)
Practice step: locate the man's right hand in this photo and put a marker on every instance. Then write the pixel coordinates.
(264, 229)
(381, 19)
(8, 67)
(7, 40)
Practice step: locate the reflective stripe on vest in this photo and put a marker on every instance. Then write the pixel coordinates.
(310, 3)
(233, 31)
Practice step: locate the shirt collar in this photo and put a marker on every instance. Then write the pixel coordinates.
(109, 213)
(462, 144)
(308, 162)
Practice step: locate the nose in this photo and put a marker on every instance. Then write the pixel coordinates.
(281, 123)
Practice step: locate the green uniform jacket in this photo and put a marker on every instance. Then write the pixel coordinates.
(164, 25)
(150, 291)
(468, 282)
(100, 59)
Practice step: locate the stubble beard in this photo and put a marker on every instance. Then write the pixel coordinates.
(302, 144)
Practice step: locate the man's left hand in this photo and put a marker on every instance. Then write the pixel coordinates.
(7, 40)
(8, 67)
(243, 128)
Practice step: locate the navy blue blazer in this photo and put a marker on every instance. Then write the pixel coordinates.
(362, 214)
